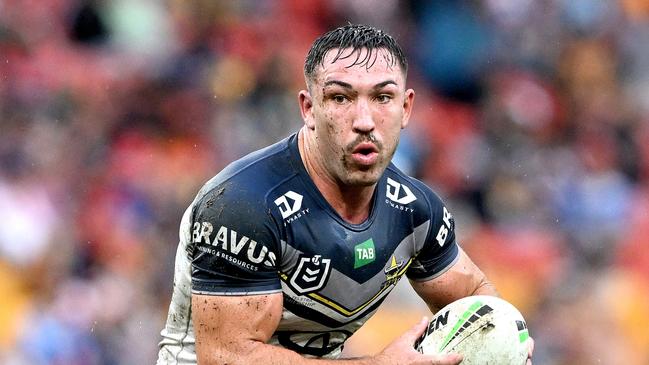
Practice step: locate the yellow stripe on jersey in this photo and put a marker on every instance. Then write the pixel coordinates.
(339, 308)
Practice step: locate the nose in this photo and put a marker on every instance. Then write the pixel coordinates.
(363, 121)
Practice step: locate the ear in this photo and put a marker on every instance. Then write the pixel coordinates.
(306, 108)
(408, 101)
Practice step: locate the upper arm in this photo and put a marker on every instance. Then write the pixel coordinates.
(462, 279)
(236, 293)
(229, 327)
(442, 272)
(234, 244)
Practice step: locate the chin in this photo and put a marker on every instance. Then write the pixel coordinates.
(361, 178)
(361, 182)
(355, 175)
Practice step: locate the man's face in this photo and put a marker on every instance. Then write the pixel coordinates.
(356, 114)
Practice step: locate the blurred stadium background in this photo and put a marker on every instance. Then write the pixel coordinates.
(531, 120)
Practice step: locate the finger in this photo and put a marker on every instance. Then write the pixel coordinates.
(447, 359)
(530, 349)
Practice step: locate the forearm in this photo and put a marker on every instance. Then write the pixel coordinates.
(255, 352)
(485, 287)
(236, 330)
(245, 350)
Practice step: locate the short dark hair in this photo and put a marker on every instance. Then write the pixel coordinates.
(356, 37)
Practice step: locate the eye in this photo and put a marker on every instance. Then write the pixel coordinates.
(384, 98)
(339, 99)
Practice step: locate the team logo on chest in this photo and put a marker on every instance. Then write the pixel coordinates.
(311, 274)
(394, 271)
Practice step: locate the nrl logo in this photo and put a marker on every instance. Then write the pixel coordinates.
(311, 274)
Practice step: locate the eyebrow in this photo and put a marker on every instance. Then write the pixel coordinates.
(383, 84)
(339, 83)
(349, 86)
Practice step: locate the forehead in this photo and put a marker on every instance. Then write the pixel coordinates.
(352, 67)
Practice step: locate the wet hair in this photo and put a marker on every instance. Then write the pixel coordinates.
(355, 37)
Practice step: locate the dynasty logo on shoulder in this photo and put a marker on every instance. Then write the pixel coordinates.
(290, 204)
(398, 196)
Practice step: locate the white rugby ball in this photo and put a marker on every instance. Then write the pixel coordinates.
(486, 330)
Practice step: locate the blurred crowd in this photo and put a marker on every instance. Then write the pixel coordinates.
(531, 121)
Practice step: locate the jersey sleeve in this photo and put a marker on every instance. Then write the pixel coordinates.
(440, 250)
(234, 248)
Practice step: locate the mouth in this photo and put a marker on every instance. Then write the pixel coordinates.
(365, 154)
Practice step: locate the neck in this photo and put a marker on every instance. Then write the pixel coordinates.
(351, 202)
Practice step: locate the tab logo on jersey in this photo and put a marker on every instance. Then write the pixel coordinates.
(399, 193)
(364, 253)
(311, 274)
(289, 208)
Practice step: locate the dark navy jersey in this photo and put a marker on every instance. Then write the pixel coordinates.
(261, 226)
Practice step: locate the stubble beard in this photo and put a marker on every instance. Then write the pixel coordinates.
(361, 176)
(353, 176)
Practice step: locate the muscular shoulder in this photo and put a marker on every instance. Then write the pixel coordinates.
(234, 234)
(407, 193)
(243, 186)
(238, 200)
(439, 249)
